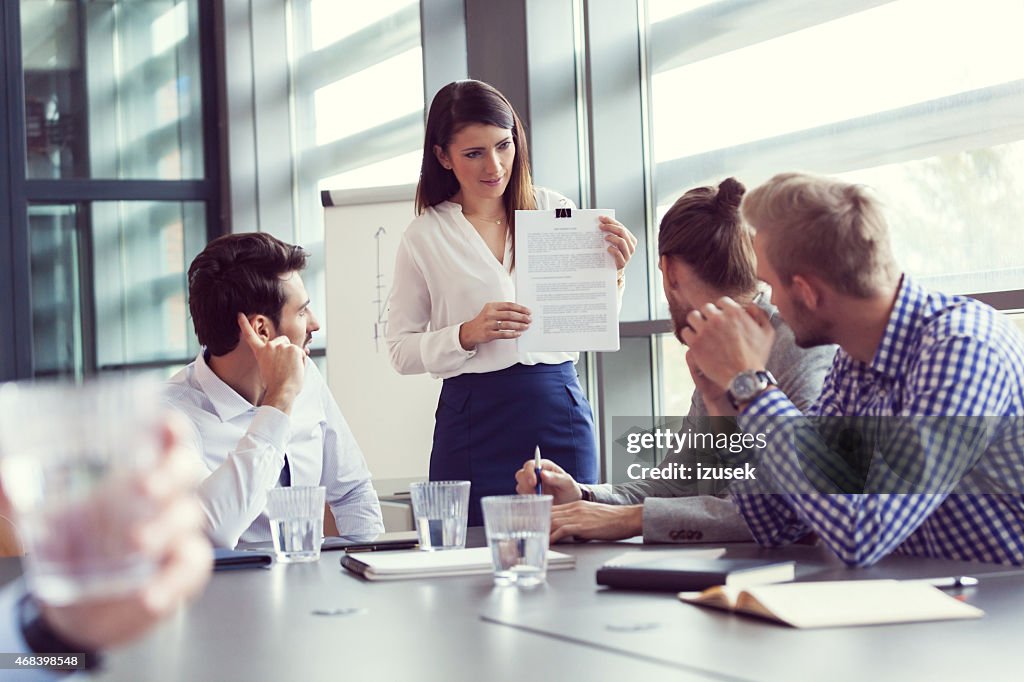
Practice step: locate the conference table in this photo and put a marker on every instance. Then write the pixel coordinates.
(270, 624)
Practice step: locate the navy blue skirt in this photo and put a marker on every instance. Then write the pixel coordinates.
(487, 425)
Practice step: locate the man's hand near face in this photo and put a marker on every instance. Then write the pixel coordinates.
(716, 403)
(726, 339)
(282, 366)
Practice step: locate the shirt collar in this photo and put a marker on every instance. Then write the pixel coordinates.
(225, 400)
(896, 348)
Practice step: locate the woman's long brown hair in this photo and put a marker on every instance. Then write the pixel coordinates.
(455, 106)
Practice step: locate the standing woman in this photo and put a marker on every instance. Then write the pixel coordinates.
(451, 312)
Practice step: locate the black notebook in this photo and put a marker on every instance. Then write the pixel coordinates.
(677, 574)
(231, 560)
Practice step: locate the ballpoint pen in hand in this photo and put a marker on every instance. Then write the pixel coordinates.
(536, 466)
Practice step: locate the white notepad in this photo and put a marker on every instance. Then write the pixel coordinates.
(419, 564)
(838, 602)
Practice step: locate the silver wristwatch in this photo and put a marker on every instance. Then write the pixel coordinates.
(745, 386)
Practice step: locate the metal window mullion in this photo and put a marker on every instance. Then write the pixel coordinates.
(1006, 301)
(8, 353)
(211, 26)
(443, 41)
(84, 189)
(82, 164)
(87, 287)
(614, 68)
(18, 346)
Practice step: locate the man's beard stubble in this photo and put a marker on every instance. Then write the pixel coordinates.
(679, 314)
(808, 330)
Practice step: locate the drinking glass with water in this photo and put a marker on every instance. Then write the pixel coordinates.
(517, 532)
(296, 522)
(441, 509)
(70, 457)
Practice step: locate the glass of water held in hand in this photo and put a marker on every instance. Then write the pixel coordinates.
(296, 522)
(441, 510)
(517, 532)
(72, 459)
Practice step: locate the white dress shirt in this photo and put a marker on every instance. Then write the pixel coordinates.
(243, 449)
(444, 274)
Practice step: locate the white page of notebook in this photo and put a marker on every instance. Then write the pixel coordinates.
(859, 602)
(414, 562)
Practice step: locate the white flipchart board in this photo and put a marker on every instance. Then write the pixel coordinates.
(392, 416)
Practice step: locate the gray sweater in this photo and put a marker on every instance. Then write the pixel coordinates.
(684, 511)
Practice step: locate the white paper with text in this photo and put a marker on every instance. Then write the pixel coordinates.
(566, 277)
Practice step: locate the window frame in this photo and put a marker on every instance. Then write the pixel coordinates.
(18, 192)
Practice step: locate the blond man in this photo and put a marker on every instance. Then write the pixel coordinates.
(915, 480)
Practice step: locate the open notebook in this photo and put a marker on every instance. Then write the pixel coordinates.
(837, 602)
(419, 564)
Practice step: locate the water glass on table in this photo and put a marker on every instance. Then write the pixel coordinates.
(517, 532)
(441, 510)
(296, 522)
(71, 458)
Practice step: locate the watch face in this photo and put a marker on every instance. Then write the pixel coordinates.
(744, 386)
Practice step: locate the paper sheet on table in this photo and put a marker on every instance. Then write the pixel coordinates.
(566, 277)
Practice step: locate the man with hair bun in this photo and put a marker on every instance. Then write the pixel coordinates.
(261, 413)
(934, 464)
(705, 253)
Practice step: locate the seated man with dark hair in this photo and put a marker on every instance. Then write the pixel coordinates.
(261, 411)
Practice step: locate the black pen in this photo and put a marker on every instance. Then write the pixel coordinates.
(385, 547)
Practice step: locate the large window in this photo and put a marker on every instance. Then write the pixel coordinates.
(109, 182)
(357, 84)
(919, 99)
(112, 89)
(108, 284)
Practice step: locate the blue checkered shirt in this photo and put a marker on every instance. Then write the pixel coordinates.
(939, 356)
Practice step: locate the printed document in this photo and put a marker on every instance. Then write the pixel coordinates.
(566, 277)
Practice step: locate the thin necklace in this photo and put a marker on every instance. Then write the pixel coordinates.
(496, 221)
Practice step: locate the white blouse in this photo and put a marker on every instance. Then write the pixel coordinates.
(444, 274)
